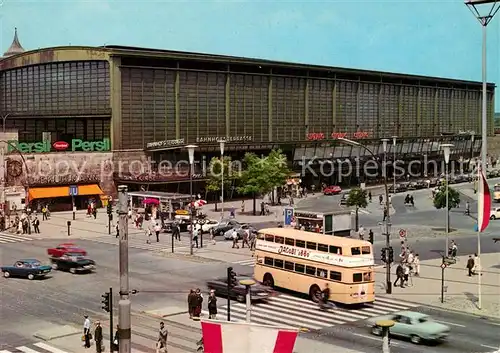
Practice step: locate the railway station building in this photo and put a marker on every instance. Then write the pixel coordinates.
(104, 113)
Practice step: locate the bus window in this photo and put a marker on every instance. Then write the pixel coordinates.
(261, 236)
(269, 237)
(278, 263)
(367, 277)
(280, 240)
(365, 250)
(322, 247)
(300, 244)
(320, 272)
(310, 245)
(311, 270)
(290, 241)
(335, 250)
(299, 268)
(355, 251)
(335, 276)
(357, 277)
(289, 265)
(269, 261)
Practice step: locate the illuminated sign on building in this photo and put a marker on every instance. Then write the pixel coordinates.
(45, 146)
(315, 136)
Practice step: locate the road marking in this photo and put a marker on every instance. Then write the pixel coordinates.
(486, 346)
(449, 323)
(48, 348)
(25, 350)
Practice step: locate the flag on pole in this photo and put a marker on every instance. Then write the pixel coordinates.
(242, 337)
(484, 202)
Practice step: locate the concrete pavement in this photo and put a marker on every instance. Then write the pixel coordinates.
(461, 290)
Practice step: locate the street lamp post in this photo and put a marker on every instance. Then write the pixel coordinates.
(447, 150)
(394, 138)
(484, 20)
(190, 149)
(221, 144)
(387, 222)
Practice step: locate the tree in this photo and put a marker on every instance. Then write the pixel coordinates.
(440, 199)
(277, 169)
(214, 172)
(357, 198)
(254, 178)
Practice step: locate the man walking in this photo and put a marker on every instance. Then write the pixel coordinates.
(98, 337)
(212, 306)
(86, 331)
(157, 231)
(36, 225)
(470, 266)
(161, 346)
(399, 276)
(246, 237)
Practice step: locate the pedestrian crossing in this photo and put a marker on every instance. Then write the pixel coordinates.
(38, 347)
(139, 242)
(6, 238)
(247, 262)
(304, 314)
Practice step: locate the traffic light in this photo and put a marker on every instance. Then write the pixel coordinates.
(110, 208)
(106, 302)
(383, 255)
(391, 255)
(231, 278)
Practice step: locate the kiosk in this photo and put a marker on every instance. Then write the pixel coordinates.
(336, 223)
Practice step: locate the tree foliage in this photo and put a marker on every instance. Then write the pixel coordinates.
(440, 197)
(357, 197)
(215, 174)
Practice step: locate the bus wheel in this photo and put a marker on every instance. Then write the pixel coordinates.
(315, 293)
(268, 280)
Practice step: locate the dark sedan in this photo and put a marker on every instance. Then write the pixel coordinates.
(29, 268)
(257, 291)
(224, 226)
(74, 263)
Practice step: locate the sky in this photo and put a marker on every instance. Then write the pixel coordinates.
(435, 38)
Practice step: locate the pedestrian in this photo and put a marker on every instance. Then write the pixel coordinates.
(246, 238)
(36, 225)
(116, 340)
(147, 231)
(117, 229)
(399, 276)
(416, 262)
(467, 208)
(98, 337)
(234, 236)
(361, 232)
(369, 196)
(232, 212)
(476, 270)
(242, 206)
(86, 332)
(470, 266)
(380, 199)
(129, 214)
(191, 302)
(177, 231)
(195, 237)
(406, 273)
(94, 212)
(385, 214)
(212, 236)
(157, 231)
(198, 303)
(212, 305)
(44, 213)
(161, 345)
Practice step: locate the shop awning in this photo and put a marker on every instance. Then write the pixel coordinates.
(91, 189)
(48, 192)
(63, 191)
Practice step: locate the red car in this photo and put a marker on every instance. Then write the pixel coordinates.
(64, 248)
(332, 190)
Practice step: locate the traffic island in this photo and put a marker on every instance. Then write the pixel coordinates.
(56, 331)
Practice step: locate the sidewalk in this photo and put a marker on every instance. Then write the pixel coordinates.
(461, 291)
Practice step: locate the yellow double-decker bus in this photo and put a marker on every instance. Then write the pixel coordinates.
(306, 262)
(496, 193)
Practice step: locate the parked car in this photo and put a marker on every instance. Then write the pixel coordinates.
(206, 225)
(432, 182)
(418, 327)
(495, 213)
(64, 248)
(462, 178)
(29, 268)
(332, 190)
(399, 188)
(73, 262)
(224, 226)
(257, 292)
(241, 229)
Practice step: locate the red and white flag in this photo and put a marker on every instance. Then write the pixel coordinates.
(238, 337)
(483, 202)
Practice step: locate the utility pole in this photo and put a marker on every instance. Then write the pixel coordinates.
(124, 331)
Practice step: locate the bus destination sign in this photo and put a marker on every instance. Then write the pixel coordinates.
(327, 258)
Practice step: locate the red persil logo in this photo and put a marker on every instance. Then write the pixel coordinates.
(60, 145)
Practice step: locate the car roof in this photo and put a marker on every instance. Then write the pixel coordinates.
(412, 314)
(67, 244)
(29, 260)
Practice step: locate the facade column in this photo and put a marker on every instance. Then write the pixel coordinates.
(334, 106)
(227, 101)
(270, 106)
(177, 88)
(380, 117)
(452, 110)
(435, 115)
(115, 103)
(306, 107)
(419, 111)
(466, 107)
(400, 112)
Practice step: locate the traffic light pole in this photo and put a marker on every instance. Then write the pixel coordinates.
(229, 270)
(111, 320)
(388, 284)
(124, 331)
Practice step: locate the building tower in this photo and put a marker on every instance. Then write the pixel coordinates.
(15, 47)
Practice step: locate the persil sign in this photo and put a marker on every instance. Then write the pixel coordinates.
(327, 258)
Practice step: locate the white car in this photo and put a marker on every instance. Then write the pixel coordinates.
(207, 225)
(495, 213)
